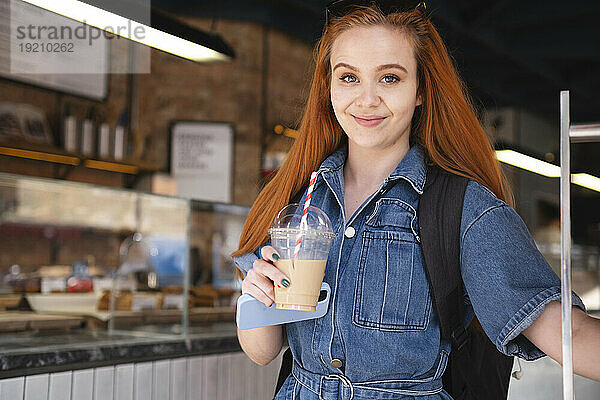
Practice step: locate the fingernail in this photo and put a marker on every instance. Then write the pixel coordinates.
(285, 282)
(275, 257)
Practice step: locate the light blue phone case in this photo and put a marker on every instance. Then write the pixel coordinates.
(251, 313)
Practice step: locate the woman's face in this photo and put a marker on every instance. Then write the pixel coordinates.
(374, 86)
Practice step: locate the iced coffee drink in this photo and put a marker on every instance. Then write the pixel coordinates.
(303, 251)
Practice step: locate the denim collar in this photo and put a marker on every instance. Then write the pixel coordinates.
(411, 168)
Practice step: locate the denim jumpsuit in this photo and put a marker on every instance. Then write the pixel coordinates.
(380, 338)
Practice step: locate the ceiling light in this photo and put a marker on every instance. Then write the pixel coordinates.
(532, 164)
(529, 163)
(587, 181)
(164, 33)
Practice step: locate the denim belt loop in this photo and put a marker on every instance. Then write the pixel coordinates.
(323, 377)
(342, 378)
(345, 379)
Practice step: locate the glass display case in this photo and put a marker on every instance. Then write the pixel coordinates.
(215, 230)
(81, 257)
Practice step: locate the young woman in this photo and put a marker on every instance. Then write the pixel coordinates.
(385, 101)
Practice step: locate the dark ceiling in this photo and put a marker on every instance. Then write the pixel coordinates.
(510, 52)
(517, 53)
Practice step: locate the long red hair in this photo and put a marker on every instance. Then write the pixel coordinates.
(445, 124)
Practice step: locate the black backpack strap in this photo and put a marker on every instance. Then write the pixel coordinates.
(439, 214)
(476, 369)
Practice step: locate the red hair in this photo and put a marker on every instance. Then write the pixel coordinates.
(445, 124)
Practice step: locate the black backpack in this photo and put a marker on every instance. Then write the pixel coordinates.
(476, 370)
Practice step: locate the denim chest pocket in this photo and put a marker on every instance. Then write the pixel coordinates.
(392, 291)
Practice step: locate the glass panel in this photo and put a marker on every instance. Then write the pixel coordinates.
(66, 204)
(164, 216)
(215, 233)
(65, 245)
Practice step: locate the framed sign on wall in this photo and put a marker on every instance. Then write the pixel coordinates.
(201, 159)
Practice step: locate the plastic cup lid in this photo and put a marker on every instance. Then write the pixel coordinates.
(288, 222)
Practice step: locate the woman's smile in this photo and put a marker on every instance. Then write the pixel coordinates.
(368, 122)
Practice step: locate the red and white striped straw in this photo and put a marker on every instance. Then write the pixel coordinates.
(311, 185)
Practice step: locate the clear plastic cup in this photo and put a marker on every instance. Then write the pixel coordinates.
(307, 270)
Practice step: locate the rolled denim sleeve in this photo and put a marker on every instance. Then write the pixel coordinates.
(244, 262)
(507, 279)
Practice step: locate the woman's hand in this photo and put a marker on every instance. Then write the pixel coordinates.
(259, 281)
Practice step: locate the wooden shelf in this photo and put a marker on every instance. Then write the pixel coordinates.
(22, 321)
(55, 155)
(27, 228)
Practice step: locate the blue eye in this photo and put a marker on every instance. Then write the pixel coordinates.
(344, 78)
(390, 78)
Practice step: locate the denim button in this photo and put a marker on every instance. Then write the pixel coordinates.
(336, 363)
(349, 232)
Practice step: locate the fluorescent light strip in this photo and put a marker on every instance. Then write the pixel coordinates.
(101, 19)
(544, 168)
(529, 163)
(587, 181)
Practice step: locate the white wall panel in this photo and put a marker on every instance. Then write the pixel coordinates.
(223, 380)
(252, 388)
(104, 383)
(124, 382)
(83, 384)
(60, 386)
(178, 380)
(195, 369)
(237, 376)
(268, 387)
(143, 381)
(36, 387)
(268, 377)
(161, 380)
(11, 389)
(210, 377)
(231, 376)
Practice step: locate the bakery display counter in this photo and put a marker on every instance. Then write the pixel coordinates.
(32, 353)
(20, 321)
(106, 290)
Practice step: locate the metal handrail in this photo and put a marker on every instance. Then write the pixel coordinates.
(584, 133)
(568, 134)
(565, 248)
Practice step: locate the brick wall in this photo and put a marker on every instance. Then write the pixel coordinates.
(266, 84)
